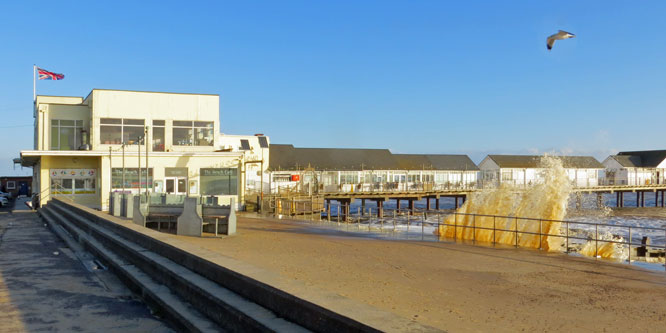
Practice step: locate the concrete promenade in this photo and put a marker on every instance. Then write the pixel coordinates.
(44, 286)
(453, 287)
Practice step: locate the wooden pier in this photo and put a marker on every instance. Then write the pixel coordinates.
(346, 198)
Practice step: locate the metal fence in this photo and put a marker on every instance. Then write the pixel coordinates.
(429, 223)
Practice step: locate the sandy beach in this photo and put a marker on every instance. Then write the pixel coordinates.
(455, 287)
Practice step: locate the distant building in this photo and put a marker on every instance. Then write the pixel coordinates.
(78, 147)
(16, 185)
(526, 170)
(636, 168)
(318, 170)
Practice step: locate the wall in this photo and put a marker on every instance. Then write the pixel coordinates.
(154, 106)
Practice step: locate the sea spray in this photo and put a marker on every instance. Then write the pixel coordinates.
(531, 212)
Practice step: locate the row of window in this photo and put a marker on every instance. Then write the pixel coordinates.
(131, 131)
(214, 181)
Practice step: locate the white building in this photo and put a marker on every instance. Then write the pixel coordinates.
(135, 141)
(318, 170)
(525, 170)
(636, 168)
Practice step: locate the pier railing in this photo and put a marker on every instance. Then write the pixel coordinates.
(403, 223)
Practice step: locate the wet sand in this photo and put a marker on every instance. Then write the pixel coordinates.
(455, 287)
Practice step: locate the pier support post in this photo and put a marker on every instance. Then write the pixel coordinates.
(397, 205)
(411, 206)
(621, 199)
(362, 207)
(380, 208)
(617, 199)
(638, 199)
(642, 199)
(437, 203)
(455, 200)
(599, 200)
(427, 203)
(579, 200)
(662, 198)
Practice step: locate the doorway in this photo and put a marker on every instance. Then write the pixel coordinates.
(175, 185)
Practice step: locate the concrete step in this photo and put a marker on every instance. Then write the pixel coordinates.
(220, 305)
(178, 312)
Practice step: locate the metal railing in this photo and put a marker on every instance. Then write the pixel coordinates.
(577, 233)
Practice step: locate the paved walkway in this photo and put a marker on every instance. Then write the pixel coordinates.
(44, 286)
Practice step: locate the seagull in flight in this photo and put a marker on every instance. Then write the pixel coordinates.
(558, 36)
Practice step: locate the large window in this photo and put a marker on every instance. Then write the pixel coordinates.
(131, 178)
(192, 133)
(66, 134)
(158, 135)
(222, 181)
(116, 130)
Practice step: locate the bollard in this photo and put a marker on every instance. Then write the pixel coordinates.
(516, 231)
(630, 246)
(423, 225)
(494, 230)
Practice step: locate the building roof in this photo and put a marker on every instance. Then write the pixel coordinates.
(637, 159)
(287, 157)
(534, 161)
(435, 162)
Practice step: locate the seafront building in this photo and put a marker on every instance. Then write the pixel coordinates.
(526, 170)
(138, 142)
(636, 168)
(330, 170)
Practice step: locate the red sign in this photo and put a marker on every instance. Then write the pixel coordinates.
(295, 178)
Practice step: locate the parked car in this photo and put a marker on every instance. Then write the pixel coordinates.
(5, 195)
(4, 201)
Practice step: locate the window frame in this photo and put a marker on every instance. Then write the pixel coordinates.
(122, 126)
(194, 128)
(77, 133)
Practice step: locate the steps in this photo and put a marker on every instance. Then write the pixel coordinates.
(195, 294)
(187, 299)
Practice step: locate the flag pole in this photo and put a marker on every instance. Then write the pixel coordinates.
(34, 83)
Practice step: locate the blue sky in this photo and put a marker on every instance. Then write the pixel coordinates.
(469, 77)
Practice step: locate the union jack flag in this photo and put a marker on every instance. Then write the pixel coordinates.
(46, 75)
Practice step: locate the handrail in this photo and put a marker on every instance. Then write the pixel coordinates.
(378, 218)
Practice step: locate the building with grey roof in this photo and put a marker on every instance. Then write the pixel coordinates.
(525, 170)
(636, 168)
(316, 170)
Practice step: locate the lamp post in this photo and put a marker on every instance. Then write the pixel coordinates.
(145, 138)
(138, 143)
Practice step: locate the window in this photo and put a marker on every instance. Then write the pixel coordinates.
(263, 142)
(413, 178)
(131, 178)
(73, 181)
(158, 135)
(11, 185)
(117, 131)
(222, 181)
(66, 134)
(245, 145)
(349, 177)
(506, 175)
(193, 133)
(281, 178)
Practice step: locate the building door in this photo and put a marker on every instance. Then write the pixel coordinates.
(175, 185)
